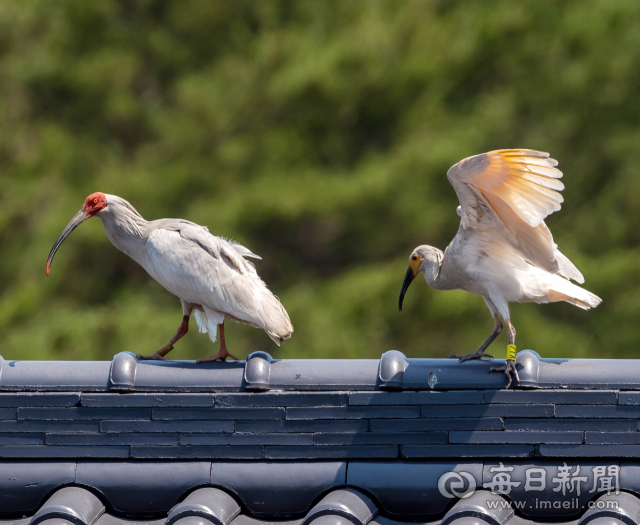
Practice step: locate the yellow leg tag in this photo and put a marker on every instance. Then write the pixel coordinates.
(511, 352)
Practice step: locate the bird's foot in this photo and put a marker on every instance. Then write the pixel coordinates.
(158, 355)
(468, 357)
(222, 356)
(151, 357)
(508, 368)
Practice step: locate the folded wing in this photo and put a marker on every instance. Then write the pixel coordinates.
(512, 192)
(209, 271)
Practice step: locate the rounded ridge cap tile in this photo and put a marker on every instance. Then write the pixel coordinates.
(212, 504)
(348, 503)
(72, 503)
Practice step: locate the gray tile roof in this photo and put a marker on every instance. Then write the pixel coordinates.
(346, 506)
(261, 372)
(384, 441)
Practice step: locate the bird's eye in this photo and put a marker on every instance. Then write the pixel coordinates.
(95, 201)
(413, 257)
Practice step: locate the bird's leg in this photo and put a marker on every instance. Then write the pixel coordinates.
(223, 353)
(509, 367)
(160, 353)
(479, 353)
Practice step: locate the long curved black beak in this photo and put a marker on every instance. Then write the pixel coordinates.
(73, 224)
(405, 285)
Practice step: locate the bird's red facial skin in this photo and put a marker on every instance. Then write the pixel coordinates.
(94, 203)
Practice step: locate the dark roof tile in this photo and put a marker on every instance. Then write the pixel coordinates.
(612, 438)
(330, 519)
(265, 487)
(450, 411)
(353, 412)
(108, 519)
(55, 452)
(408, 488)
(49, 426)
(316, 425)
(212, 504)
(331, 452)
(557, 396)
(39, 399)
(74, 504)
(568, 424)
(257, 371)
(218, 413)
(451, 397)
(25, 484)
(60, 376)
(143, 487)
(8, 413)
(280, 438)
(243, 519)
(629, 398)
(622, 507)
(424, 424)
(324, 374)
(198, 452)
(82, 413)
(19, 438)
(165, 426)
(146, 400)
(350, 504)
(282, 399)
(381, 438)
(448, 374)
(467, 451)
(187, 376)
(131, 438)
(478, 505)
(595, 411)
(531, 437)
(588, 451)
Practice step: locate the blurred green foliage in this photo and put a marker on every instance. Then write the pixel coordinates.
(318, 133)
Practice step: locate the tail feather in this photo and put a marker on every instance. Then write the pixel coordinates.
(208, 321)
(275, 319)
(563, 290)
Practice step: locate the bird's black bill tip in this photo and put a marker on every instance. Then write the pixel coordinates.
(405, 285)
(73, 224)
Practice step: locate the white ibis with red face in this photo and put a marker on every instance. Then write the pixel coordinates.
(209, 274)
(503, 250)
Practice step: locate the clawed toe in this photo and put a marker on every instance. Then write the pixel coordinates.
(469, 357)
(508, 368)
(153, 357)
(158, 355)
(222, 356)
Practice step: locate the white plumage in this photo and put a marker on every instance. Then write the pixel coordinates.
(209, 274)
(503, 250)
(212, 278)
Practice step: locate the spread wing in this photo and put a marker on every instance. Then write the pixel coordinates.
(512, 192)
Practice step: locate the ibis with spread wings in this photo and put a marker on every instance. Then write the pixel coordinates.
(503, 250)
